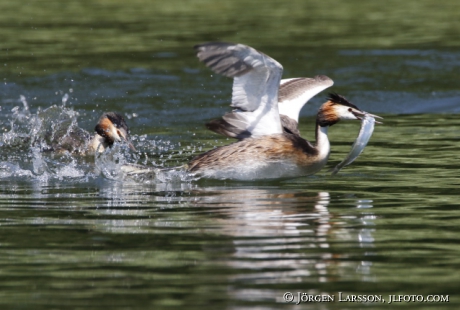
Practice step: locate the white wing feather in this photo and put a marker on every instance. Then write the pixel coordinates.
(255, 86)
(295, 93)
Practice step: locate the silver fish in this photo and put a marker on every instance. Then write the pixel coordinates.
(365, 133)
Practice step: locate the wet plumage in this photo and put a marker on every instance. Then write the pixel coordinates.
(111, 127)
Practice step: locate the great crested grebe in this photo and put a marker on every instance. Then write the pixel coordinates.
(269, 145)
(110, 128)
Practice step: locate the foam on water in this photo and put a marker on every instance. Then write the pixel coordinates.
(118, 163)
(156, 175)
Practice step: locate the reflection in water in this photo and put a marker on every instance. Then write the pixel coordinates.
(287, 238)
(291, 234)
(268, 236)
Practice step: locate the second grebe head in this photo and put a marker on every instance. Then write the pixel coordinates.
(339, 108)
(112, 128)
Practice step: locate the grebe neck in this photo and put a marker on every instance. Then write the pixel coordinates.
(322, 141)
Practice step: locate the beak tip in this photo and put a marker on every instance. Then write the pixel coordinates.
(375, 116)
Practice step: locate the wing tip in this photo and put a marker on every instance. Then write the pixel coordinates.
(324, 79)
(213, 44)
(223, 58)
(211, 53)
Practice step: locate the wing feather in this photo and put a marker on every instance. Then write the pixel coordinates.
(294, 93)
(255, 86)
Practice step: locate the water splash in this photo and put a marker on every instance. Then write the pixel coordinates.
(64, 99)
(18, 134)
(156, 175)
(8, 170)
(48, 145)
(47, 129)
(25, 147)
(119, 164)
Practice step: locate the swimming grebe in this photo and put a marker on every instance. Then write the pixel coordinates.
(268, 147)
(110, 128)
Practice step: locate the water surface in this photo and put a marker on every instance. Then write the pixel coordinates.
(75, 234)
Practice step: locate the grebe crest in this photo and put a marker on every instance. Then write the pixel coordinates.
(337, 108)
(110, 128)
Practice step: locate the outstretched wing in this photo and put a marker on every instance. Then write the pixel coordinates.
(255, 88)
(294, 93)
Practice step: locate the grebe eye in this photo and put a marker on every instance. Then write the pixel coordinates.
(349, 109)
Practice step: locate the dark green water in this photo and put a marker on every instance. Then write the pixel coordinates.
(73, 238)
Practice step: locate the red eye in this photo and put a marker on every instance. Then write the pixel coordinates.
(349, 110)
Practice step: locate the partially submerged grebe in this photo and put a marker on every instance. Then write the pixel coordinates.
(110, 128)
(269, 145)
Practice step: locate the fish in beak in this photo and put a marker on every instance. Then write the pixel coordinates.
(360, 115)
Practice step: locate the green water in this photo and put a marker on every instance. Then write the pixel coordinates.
(37, 37)
(388, 224)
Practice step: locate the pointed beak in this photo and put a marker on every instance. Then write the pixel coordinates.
(131, 146)
(124, 137)
(128, 141)
(360, 114)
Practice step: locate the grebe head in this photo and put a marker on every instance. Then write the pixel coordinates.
(112, 128)
(339, 108)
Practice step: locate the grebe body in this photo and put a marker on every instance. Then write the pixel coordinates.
(273, 156)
